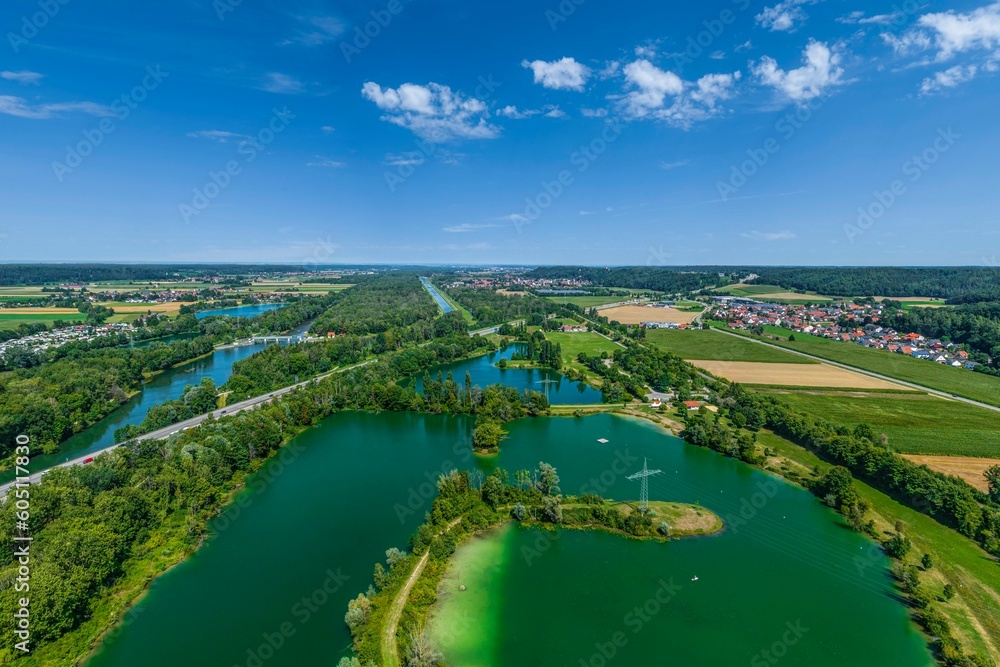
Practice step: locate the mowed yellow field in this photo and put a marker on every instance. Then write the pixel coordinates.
(639, 314)
(170, 308)
(792, 375)
(968, 468)
(40, 311)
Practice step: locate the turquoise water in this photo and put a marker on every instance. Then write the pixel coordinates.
(445, 306)
(484, 372)
(239, 311)
(359, 483)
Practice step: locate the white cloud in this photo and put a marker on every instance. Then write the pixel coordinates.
(327, 129)
(404, 159)
(466, 227)
(689, 102)
(276, 82)
(23, 76)
(18, 106)
(594, 113)
(768, 236)
(319, 31)
(717, 55)
(652, 87)
(821, 70)
(744, 46)
(433, 112)
(222, 136)
(949, 78)
(976, 33)
(859, 18)
(784, 16)
(511, 111)
(674, 165)
(565, 74)
(956, 32)
(326, 162)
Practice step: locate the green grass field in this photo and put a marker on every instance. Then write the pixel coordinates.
(774, 293)
(573, 344)
(586, 301)
(12, 320)
(712, 346)
(957, 381)
(915, 423)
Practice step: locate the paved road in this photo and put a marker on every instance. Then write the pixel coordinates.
(186, 424)
(854, 369)
(492, 330)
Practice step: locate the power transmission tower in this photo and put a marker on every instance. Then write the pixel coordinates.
(643, 478)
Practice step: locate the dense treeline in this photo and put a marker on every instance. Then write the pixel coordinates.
(51, 396)
(948, 500)
(661, 279)
(489, 308)
(974, 325)
(196, 400)
(53, 401)
(39, 274)
(92, 523)
(391, 301)
(643, 367)
(958, 284)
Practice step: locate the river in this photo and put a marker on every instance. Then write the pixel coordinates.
(239, 311)
(445, 306)
(270, 588)
(166, 386)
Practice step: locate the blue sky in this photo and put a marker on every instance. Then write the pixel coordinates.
(527, 131)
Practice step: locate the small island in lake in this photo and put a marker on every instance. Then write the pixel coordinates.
(387, 621)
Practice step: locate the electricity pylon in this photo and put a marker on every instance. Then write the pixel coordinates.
(643, 478)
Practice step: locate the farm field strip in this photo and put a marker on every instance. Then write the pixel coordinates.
(914, 423)
(794, 375)
(638, 314)
(958, 382)
(968, 468)
(708, 345)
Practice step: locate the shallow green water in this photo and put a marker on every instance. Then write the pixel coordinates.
(359, 483)
(787, 577)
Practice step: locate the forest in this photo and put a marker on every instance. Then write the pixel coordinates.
(391, 301)
(65, 390)
(957, 284)
(40, 274)
(661, 279)
(490, 308)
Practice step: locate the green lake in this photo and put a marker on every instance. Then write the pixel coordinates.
(271, 587)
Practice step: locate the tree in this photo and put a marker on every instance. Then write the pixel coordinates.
(487, 435)
(552, 509)
(502, 364)
(948, 592)
(493, 491)
(992, 475)
(518, 512)
(393, 556)
(927, 562)
(897, 546)
(546, 479)
(422, 652)
(358, 611)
